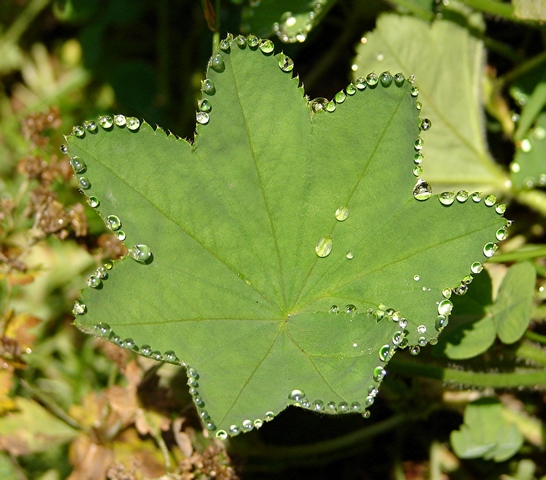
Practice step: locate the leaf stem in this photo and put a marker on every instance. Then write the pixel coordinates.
(520, 378)
(520, 70)
(531, 352)
(493, 7)
(216, 35)
(519, 255)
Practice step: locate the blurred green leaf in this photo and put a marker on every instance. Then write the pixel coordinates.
(512, 310)
(485, 433)
(530, 10)
(528, 170)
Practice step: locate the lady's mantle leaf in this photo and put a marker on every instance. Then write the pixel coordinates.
(282, 256)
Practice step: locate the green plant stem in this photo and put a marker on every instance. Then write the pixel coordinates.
(494, 7)
(521, 378)
(51, 405)
(521, 69)
(536, 337)
(519, 255)
(530, 352)
(216, 35)
(24, 19)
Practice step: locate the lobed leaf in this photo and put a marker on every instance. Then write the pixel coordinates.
(286, 253)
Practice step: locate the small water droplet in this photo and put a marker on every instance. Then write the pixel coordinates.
(489, 249)
(422, 190)
(93, 202)
(440, 322)
(84, 183)
(526, 145)
(78, 131)
(476, 267)
(421, 329)
(113, 222)
(140, 253)
(355, 407)
(318, 405)
(461, 289)
(120, 120)
(340, 97)
(79, 308)
(425, 124)
(247, 425)
(296, 395)
(202, 118)
(349, 256)
(372, 79)
(171, 357)
(342, 213)
(414, 350)
(416, 278)
(418, 105)
(90, 126)
(129, 343)
(78, 165)
(331, 106)
(403, 323)
(106, 121)
(324, 247)
(397, 338)
(447, 198)
(318, 104)
(350, 308)
(64, 149)
(418, 145)
(120, 235)
(234, 429)
(252, 41)
(240, 41)
(258, 423)
(360, 83)
(417, 170)
(411, 79)
(94, 281)
(285, 62)
(332, 406)
(445, 307)
(379, 374)
(217, 62)
(351, 90)
(500, 208)
(366, 414)
(422, 341)
(204, 105)
(446, 292)
(384, 352)
(266, 46)
(501, 234)
(385, 79)
(207, 86)
(145, 350)
(399, 79)
(210, 426)
(101, 272)
(269, 416)
(221, 434)
(490, 200)
(103, 329)
(133, 123)
(414, 91)
(334, 309)
(418, 158)
(343, 406)
(476, 197)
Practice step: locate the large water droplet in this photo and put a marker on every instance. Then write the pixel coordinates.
(202, 118)
(476, 267)
(296, 395)
(120, 120)
(324, 247)
(217, 62)
(418, 145)
(351, 90)
(106, 122)
(360, 83)
(476, 197)
(445, 307)
(372, 79)
(385, 79)
(422, 190)
(318, 104)
(140, 253)
(247, 425)
(78, 131)
(350, 308)
(399, 79)
(208, 87)
(440, 322)
(500, 208)
(285, 62)
(78, 165)
(133, 124)
(489, 249)
(113, 222)
(240, 41)
(447, 198)
(340, 97)
(204, 105)
(252, 41)
(462, 196)
(342, 213)
(84, 183)
(501, 234)
(490, 200)
(266, 46)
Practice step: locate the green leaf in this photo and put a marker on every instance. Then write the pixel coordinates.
(530, 10)
(528, 168)
(288, 253)
(290, 20)
(512, 310)
(471, 329)
(486, 433)
(447, 60)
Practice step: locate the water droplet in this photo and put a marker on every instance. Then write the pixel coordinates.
(64, 149)
(103, 329)
(285, 62)
(422, 341)
(461, 289)
(422, 190)
(210, 426)
(318, 104)
(266, 46)
(140, 253)
(355, 407)
(318, 405)
(332, 406)
(101, 272)
(217, 62)
(476, 197)
(247, 425)
(113, 222)
(350, 308)
(372, 79)
(84, 183)
(403, 323)
(79, 308)
(411, 79)
(221, 434)
(418, 105)
(93, 202)
(500, 208)
(90, 126)
(269, 416)
(234, 429)
(445, 307)
(202, 118)
(385, 79)
(418, 158)
(384, 352)
(171, 357)
(366, 414)
(78, 131)
(446, 292)
(133, 123)
(258, 423)
(108, 265)
(106, 122)
(489, 249)
(416, 278)
(414, 91)
(418, 145)
(379, 374)
(351, 90)
(334, 309)
(501, 234)
(421, 329)
(360, 83)
(343, 406)
(342, 213)
(192, 372)
(340, 97)
(447, 198)
(129, 343)
(120, 235)
(399, 79)
(490, 200)
(331, 106)
(296, 395)
(120, 120)
(397, 338)
(324, 247)
(476, 267)
(204, 105)
(425, 124)
(156, 355)
(414, 350)
(94, 281)
(252, 41)
(78, 165)
(349, 256)
(440, 322)
(417, 170)
(526, 145)
(208, 87)
(146, 350)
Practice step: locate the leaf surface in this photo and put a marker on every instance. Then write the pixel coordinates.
(243, 286)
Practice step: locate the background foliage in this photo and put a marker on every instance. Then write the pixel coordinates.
(74, 407)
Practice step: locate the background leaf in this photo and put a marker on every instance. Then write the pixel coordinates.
(288, 267)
